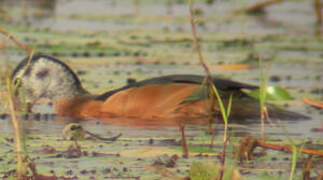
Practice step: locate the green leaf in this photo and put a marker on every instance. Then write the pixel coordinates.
(272, 94)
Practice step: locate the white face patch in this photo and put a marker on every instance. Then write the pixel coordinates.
(46, 78)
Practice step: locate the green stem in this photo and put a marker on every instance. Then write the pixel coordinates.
(16, 129)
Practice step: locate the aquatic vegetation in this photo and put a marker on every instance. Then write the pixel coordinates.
(109, 48)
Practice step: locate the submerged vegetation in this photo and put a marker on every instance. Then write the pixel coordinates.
(163, 44)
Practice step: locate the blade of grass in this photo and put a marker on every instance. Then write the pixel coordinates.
(229, 106)
(225, 113)
(295, 151)
(14, 120)
(262, 96)
(16, 128)
(294, 160)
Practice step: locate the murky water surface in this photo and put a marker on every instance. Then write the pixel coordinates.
(107, 42)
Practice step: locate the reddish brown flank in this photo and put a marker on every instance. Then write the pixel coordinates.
(165, 100)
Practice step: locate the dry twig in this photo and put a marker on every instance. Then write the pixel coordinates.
(316, 104)
(248, 144)
(19, 44)
(318, 11)
(257, 8)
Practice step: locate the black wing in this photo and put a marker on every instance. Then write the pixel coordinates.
(221, 84)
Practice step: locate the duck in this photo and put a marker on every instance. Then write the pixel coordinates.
(166, 98)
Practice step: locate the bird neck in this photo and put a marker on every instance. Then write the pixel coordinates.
(73, 106)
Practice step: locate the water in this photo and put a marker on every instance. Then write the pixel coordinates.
(285, 36)
(102, 16)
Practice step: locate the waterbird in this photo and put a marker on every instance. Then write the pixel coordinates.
(159, 99)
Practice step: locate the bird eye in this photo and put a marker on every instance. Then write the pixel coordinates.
(16, 85)
(17, 82)
(42, 74)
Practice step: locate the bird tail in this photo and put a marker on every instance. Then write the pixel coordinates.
(278, 113)
(251, 110)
